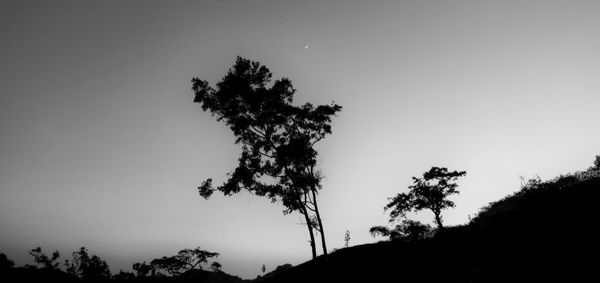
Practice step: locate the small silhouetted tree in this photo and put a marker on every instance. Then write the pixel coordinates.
(88, 268)
(597, 163)
(429, 192)
(278, 158)
(43, 261)
(185, 260)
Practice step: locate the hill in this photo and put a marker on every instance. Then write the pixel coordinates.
(545, 232)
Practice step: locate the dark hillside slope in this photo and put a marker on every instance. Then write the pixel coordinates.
(546, 232)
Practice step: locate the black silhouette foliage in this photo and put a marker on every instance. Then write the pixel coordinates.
(184, 261)
(429, 192)
(5, 262)
(278, 159)
(408, 230)
(143, 269)
(43, 261)
(89, 268)
(123, 276)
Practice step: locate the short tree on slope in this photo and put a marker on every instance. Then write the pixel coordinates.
(429, 192)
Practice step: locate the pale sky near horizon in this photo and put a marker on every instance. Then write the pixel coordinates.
(102, 146)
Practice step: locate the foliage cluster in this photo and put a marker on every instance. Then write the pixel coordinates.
(187, 265)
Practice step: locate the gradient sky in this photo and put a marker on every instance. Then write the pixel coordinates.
(101, 145)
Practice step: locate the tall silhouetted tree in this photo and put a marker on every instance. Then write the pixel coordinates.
(429, 192)
(278, 159)
(185, 260)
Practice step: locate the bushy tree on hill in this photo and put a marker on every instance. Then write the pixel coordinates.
(429, 192)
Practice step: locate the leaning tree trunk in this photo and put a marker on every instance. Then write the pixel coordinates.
(304, 212)
(310, 232)
(314, 195)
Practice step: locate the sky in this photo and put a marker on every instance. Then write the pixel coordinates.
(102, 146)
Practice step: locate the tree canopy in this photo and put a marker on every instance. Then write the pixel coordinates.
(278, 159)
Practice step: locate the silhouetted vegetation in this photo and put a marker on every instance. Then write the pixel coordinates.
(429, 192)
(544, 232)
(89, 268)
(5, 262)
(43, 261)
(278, 158)
(184, 261)
(188, 265)
(407, 230)
(143, 269)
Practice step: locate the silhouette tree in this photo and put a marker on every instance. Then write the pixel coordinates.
(597, 163)
(42, 260)
(185, 260)
(278, 158)
(89, 268)
(429, 192)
